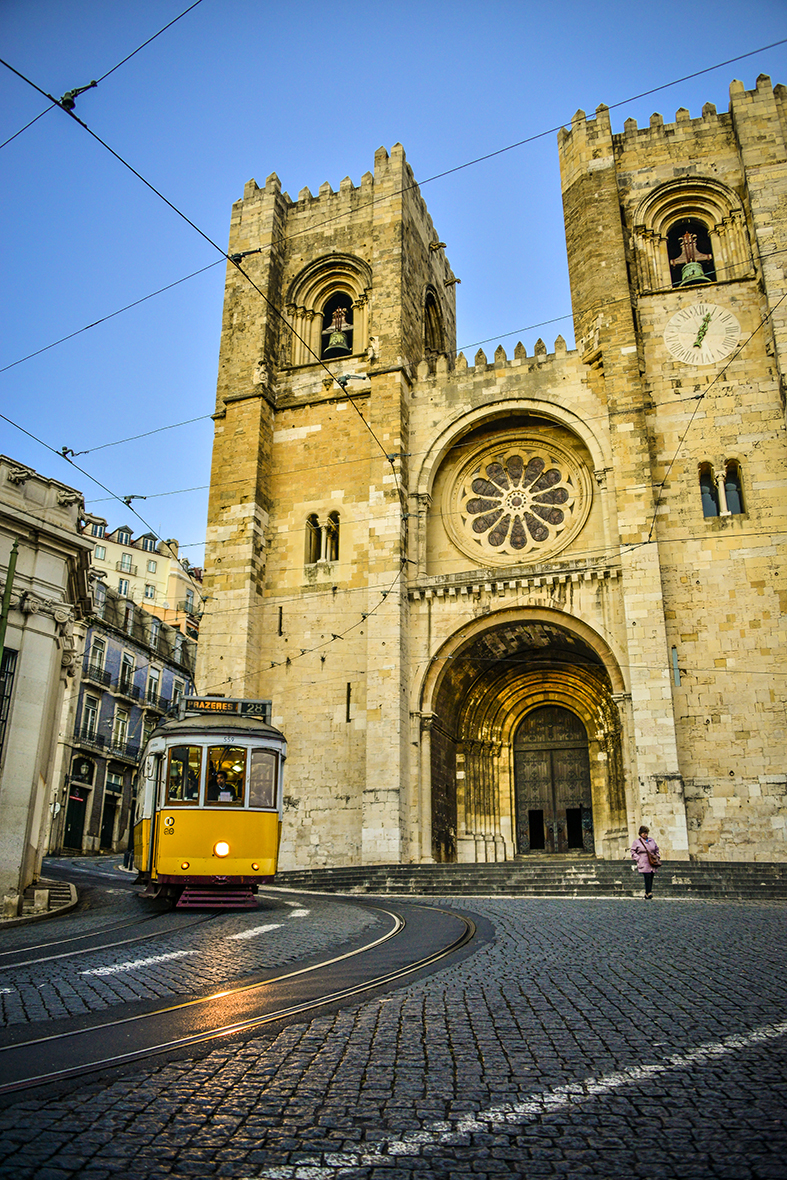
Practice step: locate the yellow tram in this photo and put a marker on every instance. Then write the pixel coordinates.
(207, 823)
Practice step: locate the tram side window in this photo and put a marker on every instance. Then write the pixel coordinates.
(262, 779)
(226, 774)
(183, 774)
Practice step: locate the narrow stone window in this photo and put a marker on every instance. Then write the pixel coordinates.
(710, 496)
(332, 537)
(433, 327)
(733, 490)
(313, 539)
(690, 253)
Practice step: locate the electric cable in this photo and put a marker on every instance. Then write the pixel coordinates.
(110, 316)
(128, 57)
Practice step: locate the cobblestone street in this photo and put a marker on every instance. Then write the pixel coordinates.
(583, 1038)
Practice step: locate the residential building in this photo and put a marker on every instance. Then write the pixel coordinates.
(135, 669)
(149, 572)
(44, 563)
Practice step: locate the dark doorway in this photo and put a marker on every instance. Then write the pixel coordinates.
(552, 782)
(108, 823)
(75, 817)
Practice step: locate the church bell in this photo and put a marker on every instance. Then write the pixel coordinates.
(337, 345)
(693, 273)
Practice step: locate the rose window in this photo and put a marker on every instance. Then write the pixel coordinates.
(519, 502)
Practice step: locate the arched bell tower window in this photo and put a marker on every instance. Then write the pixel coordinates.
(708, 492)
(690, 231)
(337, 327)
(690, 253)
(327, 310)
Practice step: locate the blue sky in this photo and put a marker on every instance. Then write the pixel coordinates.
(308, 90)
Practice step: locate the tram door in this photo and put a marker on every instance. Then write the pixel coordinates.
(552, 783)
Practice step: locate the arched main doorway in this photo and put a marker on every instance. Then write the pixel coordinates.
(522, 741)
(553, 797)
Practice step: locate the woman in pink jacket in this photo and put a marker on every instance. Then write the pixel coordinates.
(641, 851)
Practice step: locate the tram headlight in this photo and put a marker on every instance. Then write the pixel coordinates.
(185, 864)
(255, 866)
(221, 848)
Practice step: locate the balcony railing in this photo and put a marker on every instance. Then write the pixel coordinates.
(154, 701)
(98, 674)
(188, 605)
(127, 688)
(86, 736)
(125, 750)
(126, 569)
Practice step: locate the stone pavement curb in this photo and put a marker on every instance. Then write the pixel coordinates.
(55, 891)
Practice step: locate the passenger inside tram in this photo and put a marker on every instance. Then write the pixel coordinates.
(226, 766)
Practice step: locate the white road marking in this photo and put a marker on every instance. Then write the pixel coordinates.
(133, 966)
(255, 930)
(534, 1107)
(299, 913)
(6, 991)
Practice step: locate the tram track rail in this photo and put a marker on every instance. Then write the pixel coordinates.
(418, 940)
(92, 949)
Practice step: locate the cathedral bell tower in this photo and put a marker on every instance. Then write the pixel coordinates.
(344, 295)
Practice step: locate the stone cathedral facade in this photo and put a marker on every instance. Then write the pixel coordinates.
(516, 605)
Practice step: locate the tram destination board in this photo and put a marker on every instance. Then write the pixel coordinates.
(241, 708)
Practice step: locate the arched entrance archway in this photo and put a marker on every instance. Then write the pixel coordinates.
(482, 687)
(553, 803)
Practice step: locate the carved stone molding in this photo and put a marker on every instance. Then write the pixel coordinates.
(68, 499)
(19, 475)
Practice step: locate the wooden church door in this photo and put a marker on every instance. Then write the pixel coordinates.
(552, 783)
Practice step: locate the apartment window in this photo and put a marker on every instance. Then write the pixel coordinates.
(97, 530)
(149, 544)
(98, 651)
(148, 725)
(154, 684)
(99, 598)
(128, 621)
(123, 587)
(178, 646)
(177, 691)
(90, 717)
(124, 537)
(152, 567)
(125, 562)
(100, 552)
(120, 728)
(155, 631)
(114, 782)
(126, 671)
(150, 591)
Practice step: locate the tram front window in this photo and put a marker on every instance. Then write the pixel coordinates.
(226, 774)
(262, 779)
(185, 763)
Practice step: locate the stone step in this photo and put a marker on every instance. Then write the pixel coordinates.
(573, 877)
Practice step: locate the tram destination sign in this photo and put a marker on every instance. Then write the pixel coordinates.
(242, 708)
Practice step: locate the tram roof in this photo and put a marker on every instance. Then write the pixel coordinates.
(207, 723)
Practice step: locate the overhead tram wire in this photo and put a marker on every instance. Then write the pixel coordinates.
(416, 184)
(110, 316)
(122, 62)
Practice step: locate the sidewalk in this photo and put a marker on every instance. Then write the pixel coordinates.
(44, 899)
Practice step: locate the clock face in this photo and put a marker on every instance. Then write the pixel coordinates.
(702, 334)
